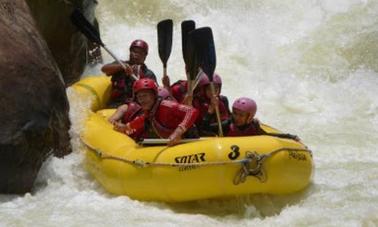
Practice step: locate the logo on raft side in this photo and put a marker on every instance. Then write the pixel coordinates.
(298, 156)
(191, 158)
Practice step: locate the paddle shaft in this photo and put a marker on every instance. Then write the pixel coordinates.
(165, 71)
(92, 34)
(197, 80)
(165, 75)
(165, 141)
(124, 66)
(192, 84)
(220, 130)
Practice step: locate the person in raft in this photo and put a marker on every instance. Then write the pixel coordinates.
(157, 118)
(119, 115)
(241, 122)
(122, 80)
(202, 101)
(178, 90)
(165, 94)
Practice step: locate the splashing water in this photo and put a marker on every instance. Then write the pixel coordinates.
(312, 68)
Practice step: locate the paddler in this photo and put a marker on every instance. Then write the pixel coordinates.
(241, 122)
(122, 80)
(158, 118)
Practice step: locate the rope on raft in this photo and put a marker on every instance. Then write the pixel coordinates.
(252, 164)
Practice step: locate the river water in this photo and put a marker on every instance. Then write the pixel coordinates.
(312, 68)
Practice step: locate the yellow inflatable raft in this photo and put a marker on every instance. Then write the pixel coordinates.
(207, 168)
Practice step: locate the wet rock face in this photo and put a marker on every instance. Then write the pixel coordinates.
(34, 107)
(68, 46)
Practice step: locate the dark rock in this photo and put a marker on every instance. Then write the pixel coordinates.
(71, 50)
(34, 117)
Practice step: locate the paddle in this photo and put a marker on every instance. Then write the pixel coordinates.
(92, 34)
(193, 66)
(186, 27)
(165, 28)
(204, 51)
(165, 141)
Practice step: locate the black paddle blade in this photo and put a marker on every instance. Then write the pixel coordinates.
(192, 57)
(203, 42)
(78, 19)
(186, 27)
(165, 32)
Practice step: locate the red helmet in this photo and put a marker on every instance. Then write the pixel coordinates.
(204, 80)
(144, 84)
(141, 44)
(246, 105)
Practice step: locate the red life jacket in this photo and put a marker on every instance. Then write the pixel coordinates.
(179, 90)
(122, 84)
(136, 118)
(167, 115)
(202, 105)
(250, 130)
(133, 110)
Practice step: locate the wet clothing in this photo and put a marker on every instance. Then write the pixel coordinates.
(229, 128)
(122, 84)
(166, 116)
(251, 129)
(136, 118)
(202, 105)
(179, 90)
(162, 120)
(133, 110)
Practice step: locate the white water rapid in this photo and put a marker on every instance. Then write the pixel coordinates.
(312, 67)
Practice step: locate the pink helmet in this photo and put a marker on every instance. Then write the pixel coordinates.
(141, 44)
(163, 92)
(204, 80)
(246, 105)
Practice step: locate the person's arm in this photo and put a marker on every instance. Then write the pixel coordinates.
(207, 126)
(214, 102)
(176, 136)
(117, 116)
(190, 115)
(120, 127)
(188, 99)
(224, 99)
(211, 117)
(135, 127)
(166, 82)
(257, 125)
(112, 68)
(261, 131)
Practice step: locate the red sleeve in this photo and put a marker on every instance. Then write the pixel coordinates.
(131, 112)
(137, 125)
(187, 113)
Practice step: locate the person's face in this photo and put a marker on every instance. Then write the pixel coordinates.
(137, 55)
(209, 93)
(146, 99)
(240, 117)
